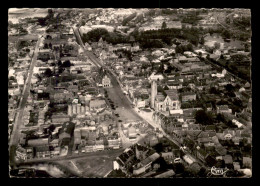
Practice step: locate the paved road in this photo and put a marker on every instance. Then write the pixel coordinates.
(14, 140)
(104, 153)
(121, 100)
(227, 26)
(124, 108)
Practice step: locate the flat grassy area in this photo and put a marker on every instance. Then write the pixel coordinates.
(96, 167)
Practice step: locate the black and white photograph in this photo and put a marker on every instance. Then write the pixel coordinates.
(129, 93)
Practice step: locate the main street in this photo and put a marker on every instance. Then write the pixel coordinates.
(14, 140)
(120, 97)
(124, 109)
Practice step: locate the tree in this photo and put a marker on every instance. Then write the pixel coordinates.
(83, 23)
(52, 127)
(226, 34)
(220, 118)
(190, 47)
(45, 46)
(164, 25)
(202, 40)
(158, 147)
(229, 88)
(38, 77)
(60, 70)
(203, 117)
(50, 13)
(50, 45)
(178, 49)
(12, 78)
(95, 34)
(48, 72)
(202, 172)
(247, 46)
(217, 45)
(231, 124)
(238, 102)
(179, 168)
(167, 40)
(66, 64)
(135, 33)
(59, 63)
(213, 90)
(117, 174)
(200, 54)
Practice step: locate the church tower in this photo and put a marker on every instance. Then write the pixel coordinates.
(153, 93)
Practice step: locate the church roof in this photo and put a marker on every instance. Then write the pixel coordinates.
(160, 97)
(172, 94)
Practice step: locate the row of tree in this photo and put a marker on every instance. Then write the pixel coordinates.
(48, 19)
(182, 48)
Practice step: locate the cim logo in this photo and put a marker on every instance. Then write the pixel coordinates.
(218, 171)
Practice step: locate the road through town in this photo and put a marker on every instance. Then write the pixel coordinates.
(121, 99)
(18, 120)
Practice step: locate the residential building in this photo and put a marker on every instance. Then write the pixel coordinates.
(188, 96)
(145, 164)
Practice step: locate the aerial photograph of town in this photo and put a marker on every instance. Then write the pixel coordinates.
(129, 93)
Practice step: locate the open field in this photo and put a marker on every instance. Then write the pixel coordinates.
(93, 166)
(14, 14)
(210, 40)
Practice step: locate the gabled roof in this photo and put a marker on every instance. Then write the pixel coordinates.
(228, 159)
(42, 149)
(188, 94)
(202, 152)
(38, 142)
(205, 134)
(210, 127)
(204, 140)
(151, 158)
(232, 132)
(173, 94)
(221, 150)
(160, 97)
(193, 133)
(132, 39)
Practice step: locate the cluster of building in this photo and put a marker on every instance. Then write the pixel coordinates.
(136, 160)
(144, 161)
(65, 112)
(185, 91)
(19, 56)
